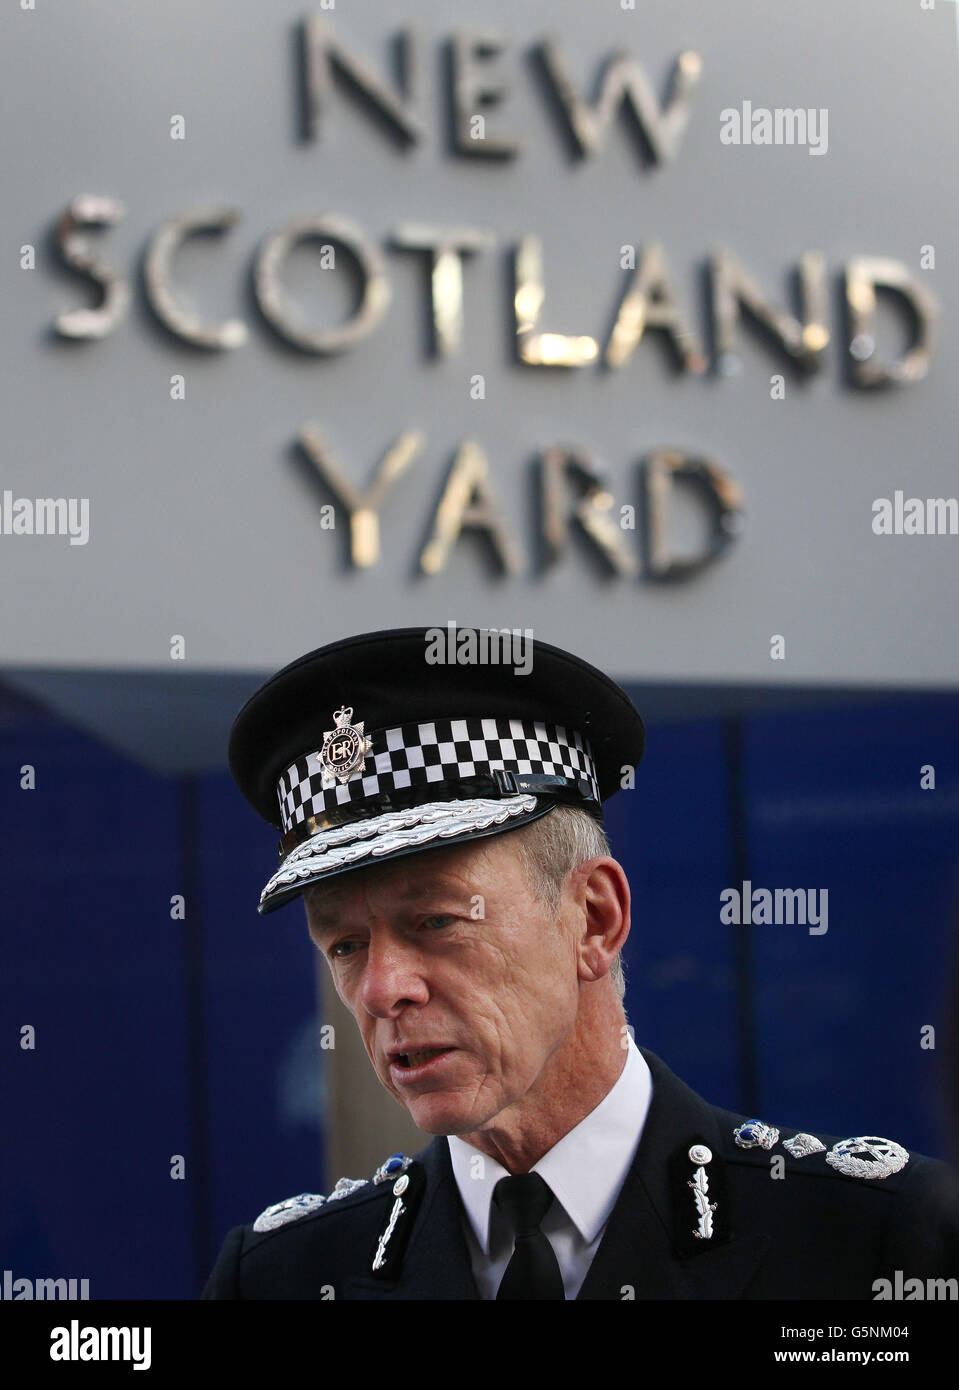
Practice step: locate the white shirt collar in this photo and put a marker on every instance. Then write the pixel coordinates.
(587, 1167)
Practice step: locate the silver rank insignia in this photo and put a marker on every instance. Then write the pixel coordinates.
(391, 1168)
(801, 1145)
(399, 1187)
(884, 1157)
(289, 1210)
(344, 749)
(754, 1134)
(344, 1186)
(701, 1154)
(407, 1190)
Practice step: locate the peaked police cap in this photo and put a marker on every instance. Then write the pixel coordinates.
(396, 742)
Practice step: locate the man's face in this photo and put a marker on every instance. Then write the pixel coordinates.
(449, 956)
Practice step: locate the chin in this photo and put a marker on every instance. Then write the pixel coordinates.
(441, 1112)
(437, 1115)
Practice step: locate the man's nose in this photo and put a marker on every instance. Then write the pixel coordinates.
(392, 976)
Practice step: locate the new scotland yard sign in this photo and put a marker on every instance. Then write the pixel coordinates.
(590, 324)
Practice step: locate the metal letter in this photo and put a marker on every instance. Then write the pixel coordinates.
(91, 210)
(561, 467)
(374, 299)
(447, 250)
(363, 508)
(158, 276)
(542, 349)
(467, 501)
(323, 52)
(624, 82)
(863, 275)
(471, 89)
(649, 303)
(660, 471)
(731, 288)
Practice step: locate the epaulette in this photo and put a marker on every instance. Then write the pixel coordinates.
(865, 1156)
(699, 1180)
(293, 1208)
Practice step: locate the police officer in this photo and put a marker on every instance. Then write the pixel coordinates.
(443, 823)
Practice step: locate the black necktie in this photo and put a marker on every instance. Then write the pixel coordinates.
(533, 1270)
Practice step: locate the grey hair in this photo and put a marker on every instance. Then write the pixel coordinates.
(553, 845)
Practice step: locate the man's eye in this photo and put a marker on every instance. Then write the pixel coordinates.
(343, 950)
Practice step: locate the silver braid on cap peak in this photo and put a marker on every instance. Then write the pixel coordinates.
(394, 830)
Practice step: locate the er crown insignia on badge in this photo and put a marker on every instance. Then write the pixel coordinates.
(344, 748)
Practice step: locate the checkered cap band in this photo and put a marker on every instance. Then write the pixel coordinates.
(441, 751)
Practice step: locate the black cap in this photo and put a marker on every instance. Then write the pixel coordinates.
(396, 742)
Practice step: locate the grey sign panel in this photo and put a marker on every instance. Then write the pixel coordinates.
(309, 266)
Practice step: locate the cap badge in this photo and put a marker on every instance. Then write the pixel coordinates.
(344, 749)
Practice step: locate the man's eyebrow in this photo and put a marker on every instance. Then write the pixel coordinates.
(434, 883)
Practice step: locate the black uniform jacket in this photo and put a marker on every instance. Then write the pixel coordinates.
(811, 1233)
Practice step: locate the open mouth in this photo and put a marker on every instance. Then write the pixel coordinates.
(419, 1058)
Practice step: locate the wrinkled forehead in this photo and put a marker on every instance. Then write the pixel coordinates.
(459, 869)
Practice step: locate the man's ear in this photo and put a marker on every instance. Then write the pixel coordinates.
(603, 890)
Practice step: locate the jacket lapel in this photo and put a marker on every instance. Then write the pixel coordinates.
(437, 1262)
(640, 1254)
